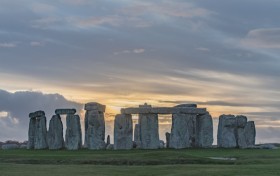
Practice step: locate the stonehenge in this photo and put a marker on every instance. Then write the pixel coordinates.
(191, 127)
(95, 126)
(235, 132)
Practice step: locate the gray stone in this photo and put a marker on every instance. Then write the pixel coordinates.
(94, 130)
(37, 114)
(241, 122)
(149, 135)
(164, 110)
(167, 136)
(182, 131)
(10, 146)
(268, 146)
(250, 133)
(65, 111)
(31, 133)
(73, 137)
(23, 146)
(108, 140)
(204, 131)
(55, 133)
(40, 140)
(161, 144)
(95, 107)
(137, 136)
(110, 147)
(226, 131)
(123, 132)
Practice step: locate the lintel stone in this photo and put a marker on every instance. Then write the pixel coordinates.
(164, 110)
(65, 111)
(37, 114)
(95, 106)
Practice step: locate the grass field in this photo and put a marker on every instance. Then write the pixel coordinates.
(139, 162)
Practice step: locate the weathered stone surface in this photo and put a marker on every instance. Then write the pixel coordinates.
(108, 142)
(10, 146)
(40, 140)
(149, 135)
(182, 131)
(55, 133)
(241, 122)
(95, 107)
(227, 131)
(65, 111)
(250, 133)
(137, 136)
(123, 132)
(37, 114)
(167, 136)
(204, 131)
(95, 130)
(31, 133)
(73, 137)
(164, 110)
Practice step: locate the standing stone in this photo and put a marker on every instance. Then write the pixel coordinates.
(95, 126)
(31, 133)
(73, 137)
(108, 140)
(123, 132)
(167, 135)
(137, 136)
(204, 131)
(149, 135)
(55, 133)
(40, 141)
(250, 133)
(182, 131)
(241, 122)
(227, 131)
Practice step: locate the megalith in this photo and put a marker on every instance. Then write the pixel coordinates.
(250, 133)
(123, 132)
(137, 140)
(204, 131)
(167, 136)
(73, 136)
(149, 134)
(95, 126)
(241, 122)
(37, 135)
(55, 133)
(182, 131)
(226, 131)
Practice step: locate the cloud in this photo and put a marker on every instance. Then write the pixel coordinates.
(15, 108)
(135, 51)
(263, 38)
(8, 45)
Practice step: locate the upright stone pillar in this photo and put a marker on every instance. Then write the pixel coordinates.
(241, 122)
(227, 131)
(73, 137)
(204, 131)
(167, 136)
(137, 135)
(149, 135)
(250, 133)
(55, 133)
(31, 133)
(123, 132)
(182, 131)
(95, 126)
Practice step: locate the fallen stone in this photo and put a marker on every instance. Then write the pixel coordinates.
(73, 137)
(65, 111)
(204, 131)
(226, 131)
(95, 107)
(149, 135)
(55, 133)
(123, 132)
(167, 136)
(95, 130)
(268, 146)
(23, 146)
(110, 147)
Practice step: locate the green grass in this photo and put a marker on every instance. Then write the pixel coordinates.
(139, 162)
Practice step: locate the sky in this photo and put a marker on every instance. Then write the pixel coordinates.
(222, 55)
